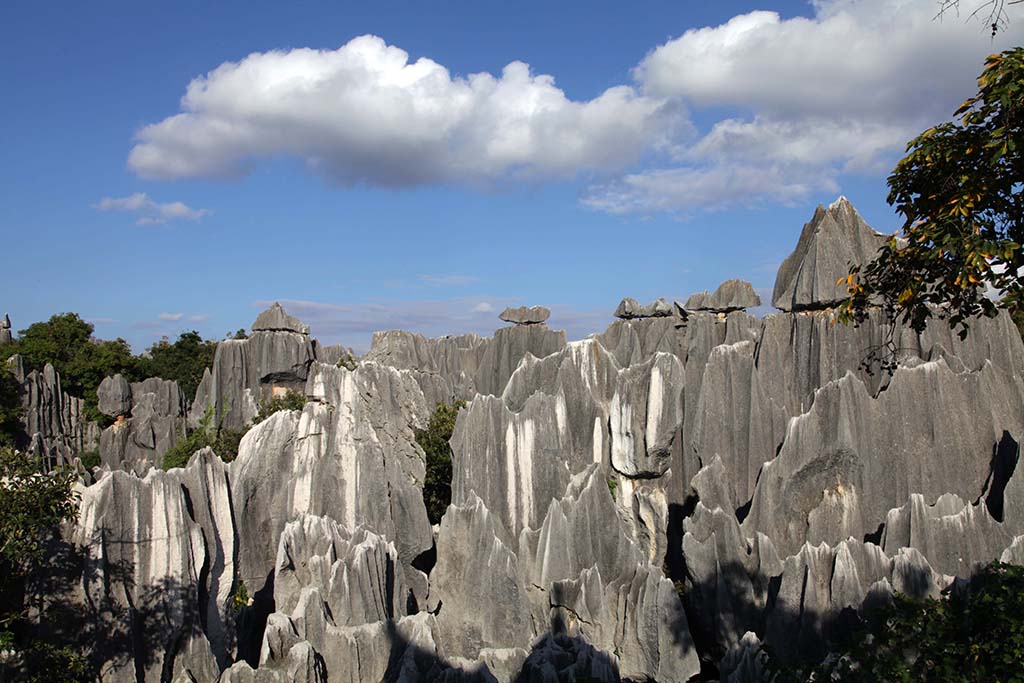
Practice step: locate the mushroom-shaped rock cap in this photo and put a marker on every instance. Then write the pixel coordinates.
(525, 315)
(629, 308)
(275, 319)
(731, 295)
(659, 308)
(834, 239)
(115, 396)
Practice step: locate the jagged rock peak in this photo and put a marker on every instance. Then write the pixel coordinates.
(834, 239)
(5, 330)
(631, 308)
(5, 324)
(526, 315)
(731, 295)
(275, 319)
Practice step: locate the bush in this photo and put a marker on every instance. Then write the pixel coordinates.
(291, 400)
(224, 442)
(975, 634)
(90, 459)
(348, 361)
(437, 486)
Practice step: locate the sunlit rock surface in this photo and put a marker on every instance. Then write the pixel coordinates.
(651, 503)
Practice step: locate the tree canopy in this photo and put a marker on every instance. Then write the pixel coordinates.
(183, 360)
(66, 342)
(958, 254)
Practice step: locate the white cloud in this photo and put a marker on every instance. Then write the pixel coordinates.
(200, 318)
(170, 317)
(365, 113)
(483, 307)
(839, 92)
(150, 212)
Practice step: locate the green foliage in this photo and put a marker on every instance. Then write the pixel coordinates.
(959, 191)
(207, 434)
(348, 361)
(11, 432)
(291, 400)
(238, 334)
(67, 343)
(90, 459)
(32, 504)
(240, 600)
(974, 635)
(437, 487)
(612, 485)
(44, 662)
(182, 361)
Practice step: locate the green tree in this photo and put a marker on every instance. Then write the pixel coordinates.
(32, 505)
(959, 191)
(182, 361)
(11, 433)
(976, 634)
(66, 342)
(437, 487)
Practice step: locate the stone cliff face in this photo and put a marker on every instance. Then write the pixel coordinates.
(649, 503)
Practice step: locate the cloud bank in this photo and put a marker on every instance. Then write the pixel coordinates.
(806, 100)
(365, 113)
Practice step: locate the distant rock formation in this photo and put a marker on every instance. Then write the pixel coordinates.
(731, 295)
(629, 309)
(151, 418)
(526, 315)
(55, 423)
(6, 336)
(654, 502)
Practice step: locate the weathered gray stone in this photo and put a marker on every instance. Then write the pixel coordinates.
(629, 308)
(157, 423)
(851, 458)
(834, 239)
(731, 295)
(54, 422)
(526, 315)
(115, 396)
(6, 336)
(475, 568)
(350, 454)
(275, 319)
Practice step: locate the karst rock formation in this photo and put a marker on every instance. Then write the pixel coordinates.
(650, 503)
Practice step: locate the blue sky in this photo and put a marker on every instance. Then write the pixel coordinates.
(674, 145)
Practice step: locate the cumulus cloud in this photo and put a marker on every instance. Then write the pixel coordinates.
(786, 108)
(483, 307)
(150, 212)
(170, 317)
(366, 113)
(841, 91)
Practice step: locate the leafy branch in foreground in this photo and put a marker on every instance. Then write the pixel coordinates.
(960, 193)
